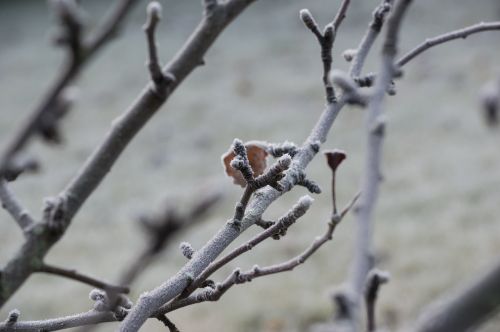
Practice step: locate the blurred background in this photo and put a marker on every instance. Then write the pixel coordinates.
(437, 222)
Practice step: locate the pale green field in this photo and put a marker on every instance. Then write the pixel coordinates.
(437, 218)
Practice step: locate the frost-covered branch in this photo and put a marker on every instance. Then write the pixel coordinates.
(369, 79)
(278, 229)
(214, 293)
(372, 173)
(374, 28)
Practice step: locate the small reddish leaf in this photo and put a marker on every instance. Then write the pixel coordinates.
(334, 158)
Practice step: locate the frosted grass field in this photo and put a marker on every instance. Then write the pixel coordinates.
(437, 218)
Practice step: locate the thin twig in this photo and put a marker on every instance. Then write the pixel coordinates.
(446, 37)
(367, 80)
(75, 275)
(341, 14)
(9, 202)
(157, 76)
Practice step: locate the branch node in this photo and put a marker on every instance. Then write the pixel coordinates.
(235, 223)
(49, 124)
(374, 280)
(13, 317)
(349, 54)
(55, 214)
(71, 20)
(378, 128)
(348, 85)
(315, 146)
(209, 6)
(310, 22)
(187, 250)
(18, 165)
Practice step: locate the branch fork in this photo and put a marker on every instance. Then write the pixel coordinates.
(326, 40)
(159, 79)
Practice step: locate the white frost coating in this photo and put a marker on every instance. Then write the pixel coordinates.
(154, 9)
(285, 161)
(305, 201)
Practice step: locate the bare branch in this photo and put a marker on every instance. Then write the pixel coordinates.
(18, 213)
(374, 280)
(352, 93)
(87, 318)
(372, 173)
(278, 228)
(457, 34)
(368, 80)
(341, 14)
(160, 80)
(466, 309)
(75, 275)
(70, 18)
(238, 277)
(371, 34)
(68, 73)
(326, 40)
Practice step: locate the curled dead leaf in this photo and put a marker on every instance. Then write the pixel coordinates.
(257, 154)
